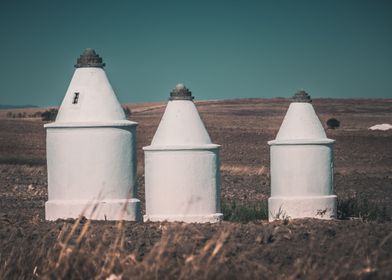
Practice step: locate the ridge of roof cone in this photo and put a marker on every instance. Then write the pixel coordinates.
(301, 122)
(181, 125)
(90, 98)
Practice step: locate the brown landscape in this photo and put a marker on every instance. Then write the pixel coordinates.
(245, 246)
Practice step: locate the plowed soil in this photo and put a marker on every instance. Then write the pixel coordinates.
(32, 248)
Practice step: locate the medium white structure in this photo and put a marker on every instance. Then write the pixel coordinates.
(91, 150)
(182, 176)
(301, 165)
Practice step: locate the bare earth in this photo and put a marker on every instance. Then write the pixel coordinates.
(32, 248)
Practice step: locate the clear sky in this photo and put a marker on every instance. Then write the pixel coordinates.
(219, 49)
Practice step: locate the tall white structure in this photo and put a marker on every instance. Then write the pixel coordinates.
(182, 175)
(301, 165)
(91, 150)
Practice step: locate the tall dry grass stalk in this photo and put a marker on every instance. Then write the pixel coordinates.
(123, 250)
(243, 170)
(86, 249)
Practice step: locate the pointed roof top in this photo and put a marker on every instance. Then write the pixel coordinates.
(181, 126)
(301, 96)
(181, 92)
(89, 58)
(301, 124)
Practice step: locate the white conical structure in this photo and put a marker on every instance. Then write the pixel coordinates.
(91, 150)
(182, 176)
(301, 166)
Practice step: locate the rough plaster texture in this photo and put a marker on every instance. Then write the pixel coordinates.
(91, 154)
(96, 99)
(301, 167)
(182, 169)
(181, 125)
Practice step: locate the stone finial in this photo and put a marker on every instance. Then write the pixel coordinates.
(301, 96)
(89, 58)
(181, 92)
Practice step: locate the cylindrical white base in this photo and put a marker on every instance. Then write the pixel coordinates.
(182, 184)
(302, 179)
(301, 170)
(92, 163)
(320, 207)
(213, 218)
(115, 209)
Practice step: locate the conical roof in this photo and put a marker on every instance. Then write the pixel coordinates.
(301, 124)
(90, 97)
(181, 125)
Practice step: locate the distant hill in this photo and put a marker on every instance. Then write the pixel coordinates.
(17, 106)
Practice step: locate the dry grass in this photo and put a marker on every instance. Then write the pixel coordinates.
(83, 249)
(31, 248)
(77, 251)
(244, 170)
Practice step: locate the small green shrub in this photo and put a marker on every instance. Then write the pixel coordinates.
(333, 123)
(360, 207)
(355, 207)
(245, 212)
(49, 115)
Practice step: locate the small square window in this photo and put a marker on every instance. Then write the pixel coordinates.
(75, 98)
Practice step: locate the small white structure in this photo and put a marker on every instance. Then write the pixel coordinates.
(182, 176)
(301, 165)
(91, 150)
(383, 127)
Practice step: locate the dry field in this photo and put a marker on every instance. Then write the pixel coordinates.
(358, 247)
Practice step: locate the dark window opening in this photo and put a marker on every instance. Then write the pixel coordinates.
(76, 98)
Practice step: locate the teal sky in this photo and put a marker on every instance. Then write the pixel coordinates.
(219, 49)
